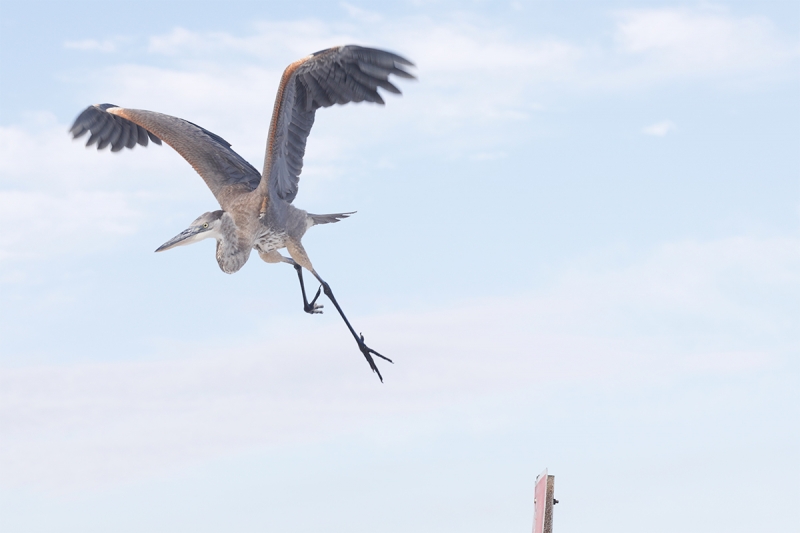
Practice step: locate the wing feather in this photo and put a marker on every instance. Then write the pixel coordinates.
(113, 136)
(103, 129)
(133, 136)
(223, 170)
(142, 136)
(334, 76)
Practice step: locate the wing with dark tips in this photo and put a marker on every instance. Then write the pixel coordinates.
(334, 76)
(223, 170)
(106, 129)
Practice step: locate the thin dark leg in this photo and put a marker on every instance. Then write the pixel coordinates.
(366, 350)
(312, 308)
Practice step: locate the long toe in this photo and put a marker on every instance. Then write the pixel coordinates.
(313, 308)
(364, 346)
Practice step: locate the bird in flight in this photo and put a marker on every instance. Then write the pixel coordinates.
(256, 209)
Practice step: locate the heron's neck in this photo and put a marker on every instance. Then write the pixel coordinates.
(232, 251)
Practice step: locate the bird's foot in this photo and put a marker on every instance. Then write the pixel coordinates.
(313, 308)
(368, 353)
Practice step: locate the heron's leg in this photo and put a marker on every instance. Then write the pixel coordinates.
(312, 308)
(366, 350)
(300, 257)
(273, 256)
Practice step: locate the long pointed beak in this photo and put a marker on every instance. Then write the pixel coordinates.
(179, 239)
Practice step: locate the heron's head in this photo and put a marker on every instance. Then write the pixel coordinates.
(205, 226)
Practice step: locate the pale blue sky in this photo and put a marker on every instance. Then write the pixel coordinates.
(578, 236)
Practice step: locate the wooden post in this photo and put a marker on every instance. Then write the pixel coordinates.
(543, 501)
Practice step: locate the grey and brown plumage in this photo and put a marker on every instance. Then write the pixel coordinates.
(256, 208)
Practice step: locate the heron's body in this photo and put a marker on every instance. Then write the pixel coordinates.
(257, 210)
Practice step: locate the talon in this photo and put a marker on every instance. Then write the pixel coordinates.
(381, 356)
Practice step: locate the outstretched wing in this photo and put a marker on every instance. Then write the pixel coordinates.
(334, 76)
(225, 172)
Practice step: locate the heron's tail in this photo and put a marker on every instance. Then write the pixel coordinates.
(328, 219)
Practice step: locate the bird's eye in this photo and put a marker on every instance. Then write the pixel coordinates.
(205, 225)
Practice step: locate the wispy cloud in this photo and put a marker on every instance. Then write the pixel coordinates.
(646, 45)
(362, 15)
(270, 40)
(701, 42)
(61, 198)
(49, 224)
(92, 45)
(472, 71)
(659, 129)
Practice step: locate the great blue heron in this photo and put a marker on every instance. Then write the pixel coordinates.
(257, 210)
